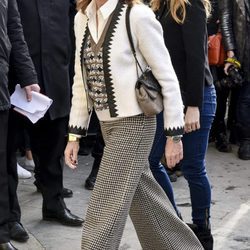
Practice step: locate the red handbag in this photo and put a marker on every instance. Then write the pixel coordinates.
(216, 52)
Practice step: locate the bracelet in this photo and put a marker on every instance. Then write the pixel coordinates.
(234, 61)
(73, 138)
(175, 138)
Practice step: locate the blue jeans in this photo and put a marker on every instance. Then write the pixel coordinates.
(193, 164)
(157, 151)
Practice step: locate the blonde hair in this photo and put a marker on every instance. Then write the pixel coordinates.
(178, 8)
(82, 4)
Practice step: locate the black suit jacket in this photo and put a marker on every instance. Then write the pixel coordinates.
(187, 45)
(46, 31)
(13, 51)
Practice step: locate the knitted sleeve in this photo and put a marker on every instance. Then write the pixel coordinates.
(150, 42)
(79, 113)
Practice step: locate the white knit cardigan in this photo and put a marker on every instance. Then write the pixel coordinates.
(120, 69)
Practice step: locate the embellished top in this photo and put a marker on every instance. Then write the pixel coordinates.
(93, 62)
(96, 83)
(95, 77)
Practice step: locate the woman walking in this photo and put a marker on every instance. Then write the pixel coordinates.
(105, 80)
(184, 24)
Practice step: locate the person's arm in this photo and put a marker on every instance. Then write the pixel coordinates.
(194, 36)
(79, 113)
(226, 17)
(157, 57)
(226, 23)
(20, 60)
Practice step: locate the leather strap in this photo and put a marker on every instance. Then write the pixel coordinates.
(130, 37)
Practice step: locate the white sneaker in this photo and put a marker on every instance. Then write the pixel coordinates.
(23, 173)
(27, 164)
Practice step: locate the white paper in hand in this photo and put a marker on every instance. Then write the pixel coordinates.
(35, 109)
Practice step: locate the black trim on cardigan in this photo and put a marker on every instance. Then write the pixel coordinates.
(77, 130)
(84, 41)
(74, 129)
(174, 131)
(106, 58)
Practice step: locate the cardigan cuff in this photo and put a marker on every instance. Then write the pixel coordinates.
(174, 131)
(77, 131)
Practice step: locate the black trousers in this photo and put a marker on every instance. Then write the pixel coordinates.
(9, 206)
(48, 141)
(223, 93)
(4, 193)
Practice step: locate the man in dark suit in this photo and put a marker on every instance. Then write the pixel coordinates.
(235, 26)
(14, 52)
(48, 39)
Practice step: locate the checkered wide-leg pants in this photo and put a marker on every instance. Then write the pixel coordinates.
(125, 185)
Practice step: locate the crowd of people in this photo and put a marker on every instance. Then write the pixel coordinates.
(78, 53)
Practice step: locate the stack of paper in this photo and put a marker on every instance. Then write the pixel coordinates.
(35, 109)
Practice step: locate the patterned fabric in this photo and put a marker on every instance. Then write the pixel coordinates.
(125, 184)
(95, 76)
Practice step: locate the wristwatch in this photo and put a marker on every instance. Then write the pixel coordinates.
(175, 138)
(73, 138)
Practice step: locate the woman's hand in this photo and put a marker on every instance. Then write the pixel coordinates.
(71, 153)
(192, 119)
(173, 152)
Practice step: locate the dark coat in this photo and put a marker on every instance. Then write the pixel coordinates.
(13, 49)
(187, 45)
(234, 24)
(46, 30)
(213, 25)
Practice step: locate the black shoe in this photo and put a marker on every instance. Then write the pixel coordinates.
(64, 217)
(222, 143)
(244, 150)
(90, 183)
(7, 246)
(171, 174)
(17, 232)
(66, 193)
(204, 236)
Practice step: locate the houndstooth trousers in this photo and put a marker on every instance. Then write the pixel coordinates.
(125, 185)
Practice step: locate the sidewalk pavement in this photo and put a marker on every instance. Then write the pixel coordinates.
(230, 180)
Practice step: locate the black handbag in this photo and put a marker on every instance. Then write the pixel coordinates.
(147, 88)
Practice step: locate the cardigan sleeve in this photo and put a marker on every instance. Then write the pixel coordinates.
(79, 113)
(150, 42)
(194, 38)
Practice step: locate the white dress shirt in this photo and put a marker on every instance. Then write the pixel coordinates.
(102, 14)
